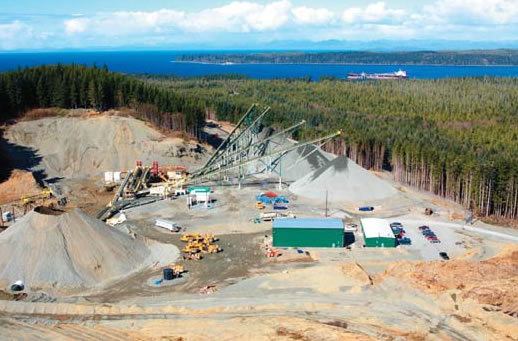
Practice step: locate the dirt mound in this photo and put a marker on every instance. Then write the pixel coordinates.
(344, 180)
(69, 250)
(20, 184)
(493, 281)
(85, 146)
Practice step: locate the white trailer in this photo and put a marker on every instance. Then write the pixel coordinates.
(167, 224)
(268, 216)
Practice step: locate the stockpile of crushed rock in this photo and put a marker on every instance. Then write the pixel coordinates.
(70, 250)
(77, 146)
(344, 180)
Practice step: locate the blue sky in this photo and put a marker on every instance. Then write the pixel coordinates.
(148, 24)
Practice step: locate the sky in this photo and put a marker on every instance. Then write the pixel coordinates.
(150, 24)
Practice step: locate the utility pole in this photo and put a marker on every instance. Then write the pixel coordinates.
(326, 203)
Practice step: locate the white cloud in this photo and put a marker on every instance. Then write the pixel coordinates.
(473, 12)
(373, 13)
(272, 16)
(15, 35)
(253, 21)
(237, 16)
(73, 26)
(312, 16)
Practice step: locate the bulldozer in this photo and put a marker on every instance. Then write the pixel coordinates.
(189, 249)
(210, 238)
(213, 248)
(190, 237)
(178, 269)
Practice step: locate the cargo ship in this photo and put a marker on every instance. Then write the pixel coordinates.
(393, 75)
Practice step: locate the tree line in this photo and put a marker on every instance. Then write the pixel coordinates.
(75, 86)
(455, 137)
(472, 57)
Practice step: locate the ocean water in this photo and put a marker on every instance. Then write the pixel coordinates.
(162, 62)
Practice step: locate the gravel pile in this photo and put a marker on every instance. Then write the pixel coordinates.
(344, 180)
(70, 250)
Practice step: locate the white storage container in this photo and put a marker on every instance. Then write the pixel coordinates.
(167, 224)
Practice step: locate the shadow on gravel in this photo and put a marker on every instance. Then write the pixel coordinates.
(13, 156)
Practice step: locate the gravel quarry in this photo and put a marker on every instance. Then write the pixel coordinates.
(88, 281)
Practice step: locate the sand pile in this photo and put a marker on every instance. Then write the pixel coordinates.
(344, 180)
(20, 183)
(493, 281)
(66, 251)
(79, 146)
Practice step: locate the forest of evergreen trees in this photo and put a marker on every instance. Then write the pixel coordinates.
(475, 57)
(77, 86)
(455, 137)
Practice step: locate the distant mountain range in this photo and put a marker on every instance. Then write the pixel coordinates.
(304, 45)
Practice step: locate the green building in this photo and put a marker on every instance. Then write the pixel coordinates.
(377, 233)
(288, 232)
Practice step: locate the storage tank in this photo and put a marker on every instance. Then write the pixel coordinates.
(168, 274)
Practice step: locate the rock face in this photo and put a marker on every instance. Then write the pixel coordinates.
(77, 146)
(344, 181)
(72, 250)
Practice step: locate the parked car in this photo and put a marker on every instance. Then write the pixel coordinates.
(444, 255)
(396, 224)
(434, 241)
(424, 227)
(366, 208)
(405, 241)
(431, 237)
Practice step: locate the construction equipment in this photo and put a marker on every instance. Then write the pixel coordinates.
(272, 253)
(190, 237)
(211, 238)
(259, 205)
(248, 143)
(213, 248)
(178, 269)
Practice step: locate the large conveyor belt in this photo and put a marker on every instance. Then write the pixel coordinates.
(204, 177)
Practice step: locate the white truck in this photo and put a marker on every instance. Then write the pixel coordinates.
(167, 224)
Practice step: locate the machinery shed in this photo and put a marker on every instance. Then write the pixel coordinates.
(296, 232)
(377, 233)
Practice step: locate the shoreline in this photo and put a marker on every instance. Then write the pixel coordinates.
(342, 64)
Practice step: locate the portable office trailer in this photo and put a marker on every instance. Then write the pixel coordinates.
(377, 233)
(294, 232)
